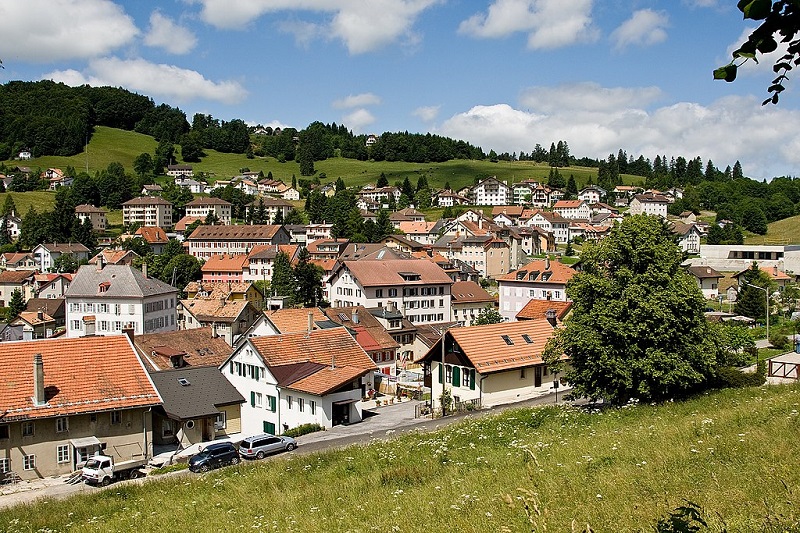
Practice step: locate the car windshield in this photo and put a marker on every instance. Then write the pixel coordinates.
(204, 453)
(92, 463)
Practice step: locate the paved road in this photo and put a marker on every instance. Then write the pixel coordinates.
(379, 423)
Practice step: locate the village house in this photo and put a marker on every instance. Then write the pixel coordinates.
(46, 254)
(271, 208)
(450, 199)
(573, 209)
(17, 261)
(469, 301)
(402, 331)
(52, 285)
(592, 194)
(181, 349)
(245, 290)
(707, 279)
(104, 299)
(688, 237)
(536, 309)
(624, 193)
(13, 226)
(53, 307)
(53, 421)
(311, 377)
(322, 249)
(194, 186)
(227, 318)
(540, 279)
(147, 211)
(198, 405)
(490, 365)
(422, 232)
(401, 244)
(95, 215)
(206, 241)
(155, 236)
(370, 335)
(180, 171)
(261, 260)
(16, 280)
(57, 178)
(224, 268)
(378, 195)
(775, 275)
(114, 257)
(491, 191)
(201, 207)
(649, 204)
(552, 223)
(420, 288)
(152, 190)
(32, 325)
(507, 215)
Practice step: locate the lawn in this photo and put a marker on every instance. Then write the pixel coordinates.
(733, 453)
(780, 232)
(41, 200)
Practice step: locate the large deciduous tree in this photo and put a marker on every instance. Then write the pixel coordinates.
(637, 329)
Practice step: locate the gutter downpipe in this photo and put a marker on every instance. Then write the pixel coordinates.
(144, 429)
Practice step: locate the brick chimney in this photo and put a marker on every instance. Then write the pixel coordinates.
(550, 315)
(38, 380)
(144, 270)
(89, 324)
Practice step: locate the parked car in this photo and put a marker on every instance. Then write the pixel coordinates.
(258, 446)
(214, 456)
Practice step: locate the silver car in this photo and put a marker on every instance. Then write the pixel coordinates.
(259, 446)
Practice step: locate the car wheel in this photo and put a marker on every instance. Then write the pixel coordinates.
(290, 447)
(260, 455)
(235, 461)
(204, 468)
(106, 481)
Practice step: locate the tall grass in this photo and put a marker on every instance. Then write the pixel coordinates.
(733, 453)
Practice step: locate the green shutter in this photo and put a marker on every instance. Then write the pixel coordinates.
(272, 403)
(256, 372)
(471, 379)
(269, 427)
(252, 399)
(441, 373)
(231, 367)
(456, 376)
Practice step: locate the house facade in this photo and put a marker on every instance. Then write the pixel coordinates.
(469, 300)
(53, 422)
(206, 241)
(573, 209)
(551, 223)
(227, 319)
(22, 280)
(46, 254)
(491, 191)
(540, 279)
(105, 299)
(649, 204)
(95, 215)
(312, 377)
(707, 279)
(147, 211)
(202, 207)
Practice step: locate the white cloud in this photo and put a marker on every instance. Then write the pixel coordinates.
(358, 120)
(361, 26)
(52, 30)
(164, 33)
(427, 113)
(587, 96)
(167, 81)
(644, 28)
(356, 100)
(548, 23)
(304, 32)
(683, 128)
(750, 67)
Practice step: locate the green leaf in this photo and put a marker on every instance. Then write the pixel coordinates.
(727, 73)
(768, 45)
(756, 9)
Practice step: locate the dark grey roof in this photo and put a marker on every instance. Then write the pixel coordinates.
(207, 390)
(124, 281)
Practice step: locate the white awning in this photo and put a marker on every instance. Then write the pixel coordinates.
(85, 442)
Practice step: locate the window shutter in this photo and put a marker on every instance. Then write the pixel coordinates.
(252, 399)
(231, 367)
(256, 372)
(456, 376)
(441, 373)
(471, 379)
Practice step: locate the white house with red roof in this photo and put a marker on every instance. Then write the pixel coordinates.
(552, 223)
(490, 365)
(540, 279)
(573, 209)
(65, 399)
(311, 377)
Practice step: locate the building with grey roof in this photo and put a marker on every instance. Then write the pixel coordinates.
(105, 299)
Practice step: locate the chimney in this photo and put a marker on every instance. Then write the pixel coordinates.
(547, 263)
(89, 322)
(550, 315)
(38, 380)
(27, 333)
(39, 315)
(144, 270)
(775, 271)
(128, 330)
(310, 322)
(99, 264)
(355, 317)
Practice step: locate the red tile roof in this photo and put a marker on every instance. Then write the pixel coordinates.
(81, 375)
(538, 309)
(153, 234)
(294, 320)
(200, 347)
(469, 291)
(384, 273)
(225, 263)
(560, 273)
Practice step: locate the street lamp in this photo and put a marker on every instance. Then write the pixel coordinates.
(766, 295)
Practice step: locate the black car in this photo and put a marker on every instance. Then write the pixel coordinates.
(214, 456)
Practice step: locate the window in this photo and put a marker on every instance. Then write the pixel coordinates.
(27, 429)
(392, 293)
(4, 431)
(76, 324)
(313, 406)
(272, 403)
(28, 462)
(465, 378)
(378, 293)
(301, 404)
(61, 424)
(259, 400)
(448, 373)
(5, 465)
(290, 401)
(521, 373)
(116, 417)
(220, 421)
(62, 453)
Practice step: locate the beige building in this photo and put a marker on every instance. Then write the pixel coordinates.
(147, 211)
(65, 399)
(469, 301)
(95, 215)
(201, 207)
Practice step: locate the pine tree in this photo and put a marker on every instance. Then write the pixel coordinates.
(15, 305)
(283, 281)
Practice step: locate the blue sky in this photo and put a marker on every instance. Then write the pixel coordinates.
(501, 74)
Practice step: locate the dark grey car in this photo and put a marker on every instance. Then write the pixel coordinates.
(259, 446)
(214, 456)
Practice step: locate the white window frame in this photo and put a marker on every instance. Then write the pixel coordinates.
(62, 424)
(5, 465)
(62, 453)
(116, 417)
(29, 462)
(28, 424)
(220, 421)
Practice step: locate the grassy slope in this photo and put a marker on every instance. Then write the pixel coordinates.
(778, 233)
(41, 200)
(109, 145)
(733, 452)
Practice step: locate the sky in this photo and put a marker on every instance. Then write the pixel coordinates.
(504, 75)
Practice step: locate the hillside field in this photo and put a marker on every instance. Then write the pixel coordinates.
(780, 232)
(109, 145)
(733, 453)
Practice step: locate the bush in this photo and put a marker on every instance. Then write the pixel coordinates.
(732, 378)
(779, 341)
(303, 429)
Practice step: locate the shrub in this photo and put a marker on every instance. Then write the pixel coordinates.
(779, 341)
(303, 429)
(732, 378)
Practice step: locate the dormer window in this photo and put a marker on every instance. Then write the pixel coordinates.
(103, 287)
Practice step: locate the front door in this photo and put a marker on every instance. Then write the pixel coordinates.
(208, 429)
(537, 376)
